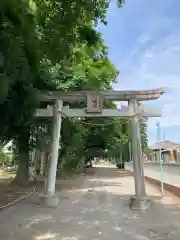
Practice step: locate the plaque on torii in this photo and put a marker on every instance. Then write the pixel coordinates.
(93, 103)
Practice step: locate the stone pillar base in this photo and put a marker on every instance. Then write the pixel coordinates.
(137, 203)
(49, 200)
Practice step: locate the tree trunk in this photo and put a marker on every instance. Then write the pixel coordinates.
(32, 169)
(22, 175)
(42, 157)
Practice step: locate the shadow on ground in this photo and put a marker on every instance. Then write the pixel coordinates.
(8, 191)
(108, 172)
(96, 207)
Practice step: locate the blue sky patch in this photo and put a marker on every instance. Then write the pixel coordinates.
(144, 44)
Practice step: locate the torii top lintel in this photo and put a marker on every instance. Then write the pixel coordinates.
(70, 96)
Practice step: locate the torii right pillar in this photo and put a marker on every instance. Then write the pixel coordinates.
(139, 201)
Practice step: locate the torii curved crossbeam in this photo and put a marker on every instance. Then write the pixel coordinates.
(142, 95)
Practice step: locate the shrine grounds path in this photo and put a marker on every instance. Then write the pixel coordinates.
(93, 206)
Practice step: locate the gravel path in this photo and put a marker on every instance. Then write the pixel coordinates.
(96, 207)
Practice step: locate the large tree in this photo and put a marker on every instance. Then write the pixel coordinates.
(49, 45)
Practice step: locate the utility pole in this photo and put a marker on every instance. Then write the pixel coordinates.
(158, 131)
(164, 136)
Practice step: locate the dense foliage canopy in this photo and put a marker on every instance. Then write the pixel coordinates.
(53, 45)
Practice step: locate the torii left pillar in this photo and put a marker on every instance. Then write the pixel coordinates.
(50, 198)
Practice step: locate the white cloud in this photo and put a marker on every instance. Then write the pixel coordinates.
(143, 38)
(146, 49)
(157, 66)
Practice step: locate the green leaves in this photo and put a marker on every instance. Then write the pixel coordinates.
(53, 45)
(144, 138)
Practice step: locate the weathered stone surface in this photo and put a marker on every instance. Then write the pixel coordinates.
(49, 200)
(137, 203)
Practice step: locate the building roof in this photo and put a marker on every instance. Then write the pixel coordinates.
(166, 145)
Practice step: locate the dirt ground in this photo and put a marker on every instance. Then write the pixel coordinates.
(93, 206)
(8, 191)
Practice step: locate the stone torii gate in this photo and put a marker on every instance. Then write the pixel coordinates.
(95, 99)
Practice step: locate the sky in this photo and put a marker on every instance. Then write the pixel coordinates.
(144, 44)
